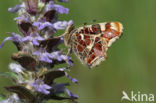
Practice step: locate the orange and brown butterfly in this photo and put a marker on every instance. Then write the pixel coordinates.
(91, 42)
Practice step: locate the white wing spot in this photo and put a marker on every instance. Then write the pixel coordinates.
(82, 36)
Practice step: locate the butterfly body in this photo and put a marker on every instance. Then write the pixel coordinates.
(91, 42)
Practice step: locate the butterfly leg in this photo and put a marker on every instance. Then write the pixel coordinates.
(69, 29)
(69, 51)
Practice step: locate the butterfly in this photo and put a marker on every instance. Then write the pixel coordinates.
(91, 42)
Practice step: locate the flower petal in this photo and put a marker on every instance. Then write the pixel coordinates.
(41, 25)
(35, 42)
(39, 86)
(6, 39)
(16, 68)
(14, 37)
(61, 9)
(62, 24)
(57, 7)
(71, 94)
(27, 39)
(74, 80)
(63, 1)
(46, 59)
(14, 9)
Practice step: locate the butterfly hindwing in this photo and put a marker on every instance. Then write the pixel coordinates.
(90, 43)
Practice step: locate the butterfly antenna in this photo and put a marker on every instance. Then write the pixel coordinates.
(85, 23)
(94, 20)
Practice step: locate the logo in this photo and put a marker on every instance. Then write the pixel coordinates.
(91, 42)
(137, 97)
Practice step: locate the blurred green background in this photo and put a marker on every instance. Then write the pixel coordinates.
(131, 63)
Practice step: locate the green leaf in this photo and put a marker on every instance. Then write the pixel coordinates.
(11, 75)
(25, 60)
(2, 97)
(22, 92)
(50, 43)
(51, 75)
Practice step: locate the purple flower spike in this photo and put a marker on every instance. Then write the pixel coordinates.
(39, 86)
(39, 53)
(14, 37)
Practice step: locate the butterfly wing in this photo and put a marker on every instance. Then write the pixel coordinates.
(90, 43)
(111, 32)
(82, 43)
